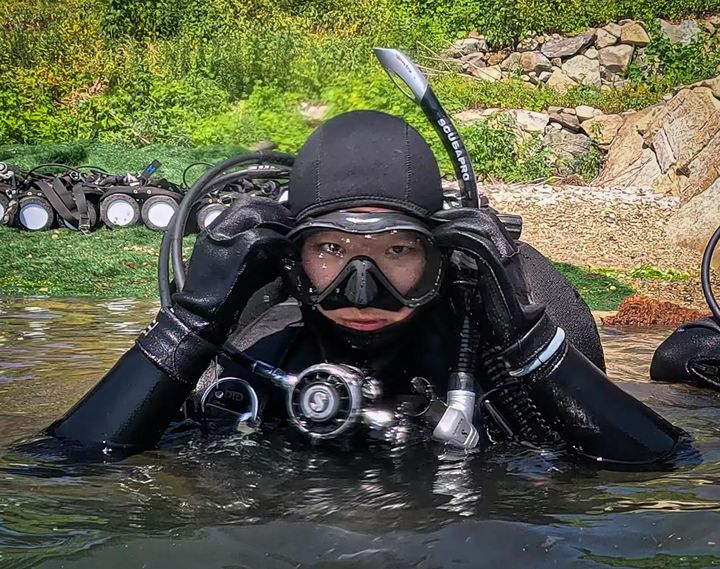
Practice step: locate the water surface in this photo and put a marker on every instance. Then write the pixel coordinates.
(261, 503)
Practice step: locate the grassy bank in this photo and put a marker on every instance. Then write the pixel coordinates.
(123, 263)
(194, 73)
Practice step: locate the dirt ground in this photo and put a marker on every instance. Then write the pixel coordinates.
(604, 228)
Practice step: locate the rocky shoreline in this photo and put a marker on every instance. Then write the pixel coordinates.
(598, 56)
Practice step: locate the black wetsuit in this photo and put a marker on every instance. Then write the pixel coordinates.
(132, 406)
(691, 354)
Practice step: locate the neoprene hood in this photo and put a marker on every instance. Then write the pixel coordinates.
(365, 158)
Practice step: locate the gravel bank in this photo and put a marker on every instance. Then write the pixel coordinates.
(604, 228)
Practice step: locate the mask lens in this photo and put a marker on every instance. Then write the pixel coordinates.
(401, 256)
(406, 259)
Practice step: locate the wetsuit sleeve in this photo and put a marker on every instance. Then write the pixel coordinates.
(596, 417)
(691, 354)
(127, 411)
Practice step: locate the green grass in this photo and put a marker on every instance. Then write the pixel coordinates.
(600, 291)
(123, 263)
(106, 263)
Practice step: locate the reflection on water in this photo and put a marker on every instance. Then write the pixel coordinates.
(265, 503)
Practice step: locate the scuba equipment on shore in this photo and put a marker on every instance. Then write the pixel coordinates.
(71, 197)
(9, 176)
(83, 197)
(130, 198)
(705, 275)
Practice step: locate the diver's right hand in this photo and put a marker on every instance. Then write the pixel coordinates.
(237, 255)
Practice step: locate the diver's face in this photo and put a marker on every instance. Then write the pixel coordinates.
(400, 255)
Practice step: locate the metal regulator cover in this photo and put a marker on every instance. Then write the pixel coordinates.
(326, 400)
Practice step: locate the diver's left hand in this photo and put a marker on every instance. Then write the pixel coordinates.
(502, 304)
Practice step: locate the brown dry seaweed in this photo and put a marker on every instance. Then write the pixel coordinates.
(641, 311)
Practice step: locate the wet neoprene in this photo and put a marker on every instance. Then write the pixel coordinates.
(133, 404)
(691, 354)
(573, 397)
(365, 158)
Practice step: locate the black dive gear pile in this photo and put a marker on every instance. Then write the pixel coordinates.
(85, 197)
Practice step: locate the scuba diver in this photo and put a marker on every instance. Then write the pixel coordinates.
(406, 313)
(691, 354)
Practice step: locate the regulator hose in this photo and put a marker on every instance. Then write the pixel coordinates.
(705, 275)
(515, 412)
(171, 248)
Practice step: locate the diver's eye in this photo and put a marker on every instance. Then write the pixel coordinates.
(399, 250)
(332, 249)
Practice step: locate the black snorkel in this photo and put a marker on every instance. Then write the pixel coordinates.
(705, 275)
(399, 66)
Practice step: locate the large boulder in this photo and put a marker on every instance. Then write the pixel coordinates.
(712, 84)
(627, 162)
(467, 46)
(512, 63)
(529, 122)
(685, 135)
(470, 116)
(583, 70)
(534, 61)
(673, 148)
(585, 112)
(565, 47)
(565, 145)
(634, 34)
(497, 57)
(603, 38)
(565, 118)
(615, 60)
(693, 225)
(685, 32)
(560, 82)
(490, 74)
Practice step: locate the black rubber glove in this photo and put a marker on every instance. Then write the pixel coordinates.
(502, 307)
(240, 253)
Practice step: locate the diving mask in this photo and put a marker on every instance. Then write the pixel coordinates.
(383, 260)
